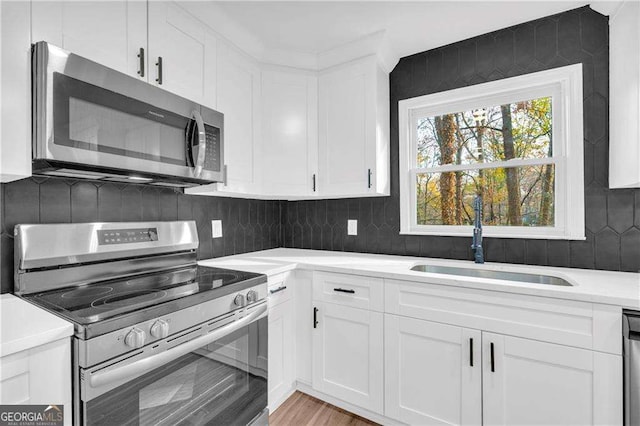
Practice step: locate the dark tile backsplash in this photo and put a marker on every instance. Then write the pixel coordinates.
(612, 216)
(247, 225)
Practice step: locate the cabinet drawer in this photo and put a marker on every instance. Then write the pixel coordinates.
(279, 292)
(349, 290)
(566, 322)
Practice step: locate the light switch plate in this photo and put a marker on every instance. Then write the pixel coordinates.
(216, 228)
(352, 227)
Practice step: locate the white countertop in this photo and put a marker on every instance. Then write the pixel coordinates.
(24, 326)
(607, 287)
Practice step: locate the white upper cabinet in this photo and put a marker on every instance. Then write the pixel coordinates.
(239, 101)
(624, 105)
(15, 90)
(290, 132)
(108, 32)
(354, 130)
(182, 53)
(530, 382)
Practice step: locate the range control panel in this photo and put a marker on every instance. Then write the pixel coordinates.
(126, 236)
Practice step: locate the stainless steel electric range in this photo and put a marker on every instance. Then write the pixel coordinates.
(158, 339)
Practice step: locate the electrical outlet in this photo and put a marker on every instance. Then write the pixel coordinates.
(216, 228)
(352, 227)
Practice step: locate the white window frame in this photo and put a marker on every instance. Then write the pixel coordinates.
(564, 84)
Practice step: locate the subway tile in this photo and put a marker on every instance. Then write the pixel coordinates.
(110, 202)
(595, 31)
(55, 201)
(131, 204)
(536, 252)
(569, 35)
(630, 250)
(524, 45)
(21, 203)
(84, 202)
(607, 250)
(150, 204)
(620, 209)
(546, 40)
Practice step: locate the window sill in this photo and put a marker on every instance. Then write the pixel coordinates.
(488, 233)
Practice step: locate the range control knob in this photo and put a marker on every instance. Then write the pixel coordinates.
(252, 296)
(135, 338)
(160, 329)
(239, 300)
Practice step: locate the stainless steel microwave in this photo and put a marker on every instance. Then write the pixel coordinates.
(90, 121)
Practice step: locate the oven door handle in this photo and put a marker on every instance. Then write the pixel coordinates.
(147, 364)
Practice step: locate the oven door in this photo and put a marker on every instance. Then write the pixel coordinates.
(97, 117)
(215, 373)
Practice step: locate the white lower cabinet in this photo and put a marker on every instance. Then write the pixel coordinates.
(348, 355)
(40, 375)
(282, 365)
(281, 354)
(447, 375)
(526, 382)
(433, 372)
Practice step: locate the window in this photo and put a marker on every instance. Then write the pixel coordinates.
(517, 143)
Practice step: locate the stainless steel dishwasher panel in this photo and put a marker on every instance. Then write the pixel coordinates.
(631, 350)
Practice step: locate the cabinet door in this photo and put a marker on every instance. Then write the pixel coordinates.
(526, 382)
(290, 132)
(281, 354)
(238, 100)
(188, 51)
(433, 372)
(108, 32)
(15, 90)
(348, 355)
(347, 129)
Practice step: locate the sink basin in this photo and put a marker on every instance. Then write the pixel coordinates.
(496, 275)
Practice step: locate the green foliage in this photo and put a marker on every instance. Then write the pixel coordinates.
(479, 139)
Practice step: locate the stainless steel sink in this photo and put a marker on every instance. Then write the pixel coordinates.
(496, 275)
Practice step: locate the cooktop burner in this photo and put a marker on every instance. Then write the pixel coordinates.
(114, 298)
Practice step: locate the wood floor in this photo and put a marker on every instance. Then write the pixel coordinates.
(301, 409)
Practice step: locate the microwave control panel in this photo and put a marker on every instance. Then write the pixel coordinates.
(212, 156)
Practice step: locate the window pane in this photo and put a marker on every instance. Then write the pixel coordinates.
(495, 133)
(516, 196)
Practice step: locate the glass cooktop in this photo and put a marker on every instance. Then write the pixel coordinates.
(107, 299)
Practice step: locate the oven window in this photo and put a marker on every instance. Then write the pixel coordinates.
(224, 383)
(95, 119)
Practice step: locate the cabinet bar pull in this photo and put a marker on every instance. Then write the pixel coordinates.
(493, 362)
(141, 58)
(276, 290)
(368, 178)
(159, 65)
(471, 351)
(315, 317)
(314, 182)
(344, 290)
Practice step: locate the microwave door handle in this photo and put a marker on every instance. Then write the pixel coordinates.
(202, 144)
(144, 365)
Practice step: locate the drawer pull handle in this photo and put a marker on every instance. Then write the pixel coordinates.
(315, 317)
(493, 362)
(344, 290)
(471, 351)
(279, 289)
